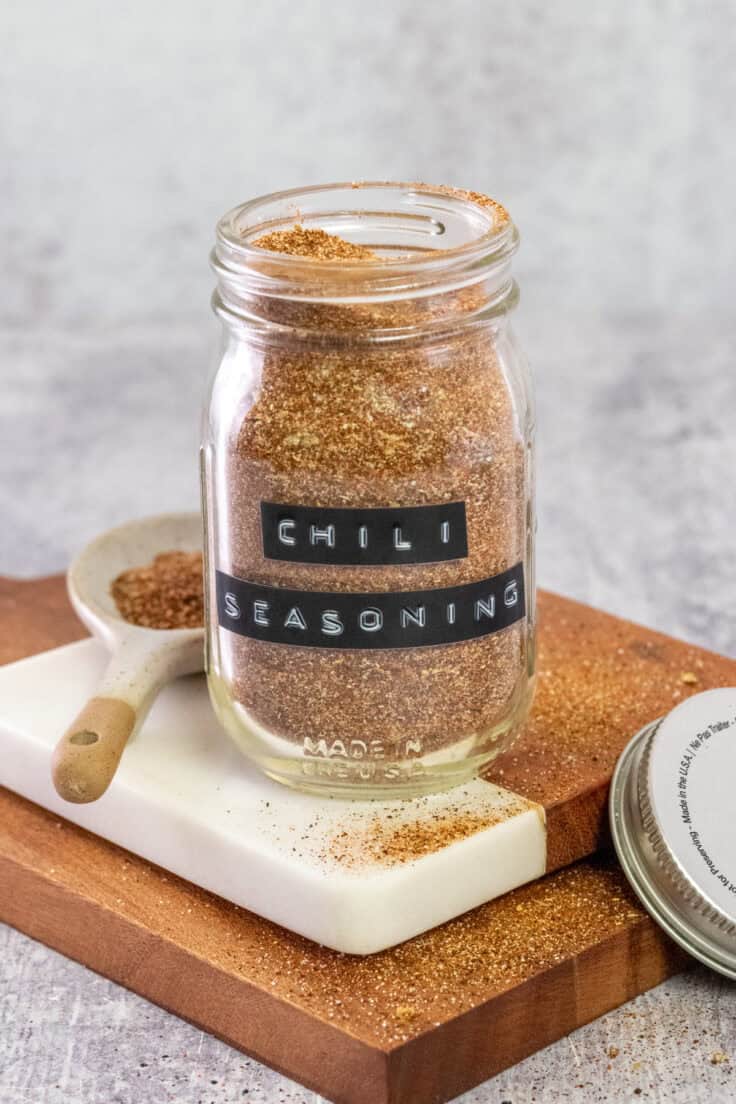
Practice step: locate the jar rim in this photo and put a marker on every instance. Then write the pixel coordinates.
(422, 210)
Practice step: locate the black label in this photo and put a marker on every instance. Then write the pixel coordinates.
(400, 619)
(404, 534)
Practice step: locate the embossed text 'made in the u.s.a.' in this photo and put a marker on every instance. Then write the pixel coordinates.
(390, 535)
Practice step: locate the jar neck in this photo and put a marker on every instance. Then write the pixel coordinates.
(442, 261)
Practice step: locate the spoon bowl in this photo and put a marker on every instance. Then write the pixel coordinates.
(142, 659)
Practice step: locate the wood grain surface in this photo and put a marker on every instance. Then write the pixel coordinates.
(600, 679)
(437, 1015)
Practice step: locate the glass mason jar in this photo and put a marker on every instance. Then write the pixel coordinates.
(368, 492)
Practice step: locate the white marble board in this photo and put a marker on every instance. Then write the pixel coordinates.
(186, 799)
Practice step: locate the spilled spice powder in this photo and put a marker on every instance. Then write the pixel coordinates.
(402, 992)
(360, 837)
(405, 843)
(165, 594)
(391, 839)
(397, 994)
(599, 680)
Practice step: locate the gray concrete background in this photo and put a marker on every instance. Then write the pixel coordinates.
(607, 130)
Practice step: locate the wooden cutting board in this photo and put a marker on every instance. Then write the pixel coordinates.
(433, 1017)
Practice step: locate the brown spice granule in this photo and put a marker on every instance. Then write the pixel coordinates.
(441, 975)
(599, 679)
(446, 971)
(718, 1057)
(358, 837)
(300, 241)
(385, 841)
(410, 841)
(500, 214)
(165, 594)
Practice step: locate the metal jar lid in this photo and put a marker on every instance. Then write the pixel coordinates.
(673, 820)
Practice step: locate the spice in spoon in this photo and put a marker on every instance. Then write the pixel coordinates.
(165, 594)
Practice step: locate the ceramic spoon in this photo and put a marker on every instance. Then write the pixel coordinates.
(142, 660)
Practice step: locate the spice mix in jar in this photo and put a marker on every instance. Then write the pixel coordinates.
(368, 489)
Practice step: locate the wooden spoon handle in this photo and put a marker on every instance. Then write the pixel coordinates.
(87, 756)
